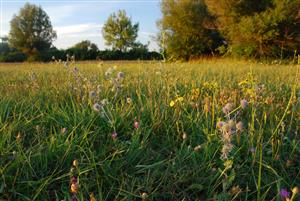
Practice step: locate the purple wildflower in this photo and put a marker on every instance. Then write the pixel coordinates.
(284, 194)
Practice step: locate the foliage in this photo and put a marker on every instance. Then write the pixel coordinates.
(85, 50)
(31, 30)
(259, 28)
(187, 29)
(119, 32)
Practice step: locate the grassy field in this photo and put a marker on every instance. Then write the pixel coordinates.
(212, 130)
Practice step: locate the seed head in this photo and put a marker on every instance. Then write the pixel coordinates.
(136, 124)
(120, 75)
(75, 163)
(144, 195)
(97, 107)
(92, 94)
(114, 135)
(129, 101)
(184, 136)
(227, 108)
(239, 126)
(220, 124)
(244, 103)
(64, 130)
(197, 148)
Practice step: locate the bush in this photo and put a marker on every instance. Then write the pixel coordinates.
(13, 57)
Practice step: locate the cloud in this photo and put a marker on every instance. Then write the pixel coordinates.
(77, 29)
(58, 13)
(71, 34)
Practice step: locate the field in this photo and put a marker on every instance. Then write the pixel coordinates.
(210, 130)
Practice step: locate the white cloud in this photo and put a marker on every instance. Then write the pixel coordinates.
(77, 29)
(58, 13)
(72, 34)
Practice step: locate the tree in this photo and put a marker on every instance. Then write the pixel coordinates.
(187, 29)
(84, 50)
(258, 27)
(119, 32)
(31, 30)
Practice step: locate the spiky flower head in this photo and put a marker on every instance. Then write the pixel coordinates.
(114, 135)
(97, 107)
(120, 75)
(227, 108)
(239, 126)
(244, 103)
(92, 94)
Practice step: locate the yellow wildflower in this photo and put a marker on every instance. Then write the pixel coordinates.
(92, 197)
(172, 103)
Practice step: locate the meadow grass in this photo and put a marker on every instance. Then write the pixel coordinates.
(156, 131)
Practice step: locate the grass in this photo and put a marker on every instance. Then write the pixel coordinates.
(56, 144)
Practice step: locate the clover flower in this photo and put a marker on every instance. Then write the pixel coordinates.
(239, 126)
(136, 124)
(97, 107)
(120, 75)
(227, 108)
(114, 135)
(244, 104)
(92, 94)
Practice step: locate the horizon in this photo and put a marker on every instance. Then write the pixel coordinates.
(75, 21)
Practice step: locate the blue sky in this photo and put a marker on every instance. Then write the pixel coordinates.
(77, 20)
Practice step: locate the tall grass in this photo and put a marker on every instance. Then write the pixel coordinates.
(165, 131)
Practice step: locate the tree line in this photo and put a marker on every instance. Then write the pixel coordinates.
(31, 38)
(188, 29)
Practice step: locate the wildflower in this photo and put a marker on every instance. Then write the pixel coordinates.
(244, 104)
(38, 128)
(144, 195)
(220, 124)
(92, 94)
(226, 149)
(295, 190)
(239, 126)
(184, 136)
(120, 75)
(235, 190)
(92, 197)
(114, 135)
(75, 163)
(284, 194)
(64, 130)
(33, 77)
(231, 124)
(53, 57)
(19, 137)
(97, 107)
(197, 148)
(104, 102)
(136, 124)
(75, 70)
(179, 99)
(129, 101)
(227, 108)
(108, 72)
(172, 103)
(74, 187)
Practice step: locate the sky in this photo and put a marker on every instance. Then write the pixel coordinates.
(77, 20)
